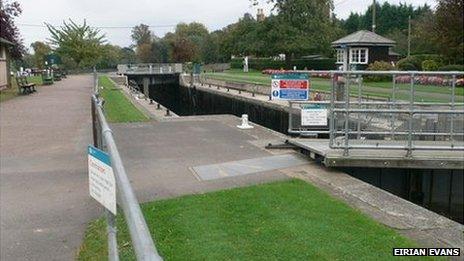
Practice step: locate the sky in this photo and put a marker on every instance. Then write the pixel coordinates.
(163, 15)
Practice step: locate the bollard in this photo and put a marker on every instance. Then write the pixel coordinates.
(209, 85)
(168, 113)
(151, 101)
(245, 124)
(270, 97)
(227, 89)
(253, 94)
(158, 106)
(218, 87)
(239, 91)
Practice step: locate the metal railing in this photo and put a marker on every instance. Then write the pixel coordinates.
(151, 68)
(140, 235)
(396, 122)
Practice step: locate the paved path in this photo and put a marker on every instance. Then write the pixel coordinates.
(43, 175)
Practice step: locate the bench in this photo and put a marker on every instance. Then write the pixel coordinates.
(25, 87)
(46, 78)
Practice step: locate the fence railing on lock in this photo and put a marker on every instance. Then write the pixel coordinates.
(141, 239)
(397, 121)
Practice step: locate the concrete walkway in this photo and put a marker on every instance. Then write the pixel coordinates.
(44, 198)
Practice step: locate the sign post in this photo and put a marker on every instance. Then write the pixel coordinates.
(102, 184)
(290, 86)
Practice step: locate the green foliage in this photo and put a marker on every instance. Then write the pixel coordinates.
(289, 220)
(430, 65)
(405, 65)
(268, 63)
(379, 66)
(41, 49)
(452, 67)
(416, 62)
(448, 29)
(141, 34)
(81, 43)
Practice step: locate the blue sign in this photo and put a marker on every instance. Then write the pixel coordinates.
(99, 154)
(290, 86)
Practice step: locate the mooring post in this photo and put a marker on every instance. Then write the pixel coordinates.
(158, 106)
(168, 113)
(151, 101)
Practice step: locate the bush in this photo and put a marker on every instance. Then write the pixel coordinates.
(268, 63)
(417, 60)
(406, 66)
(379, 66)
(429, 65)
(452, 67)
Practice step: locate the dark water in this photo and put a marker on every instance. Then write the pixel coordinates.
(438, 190)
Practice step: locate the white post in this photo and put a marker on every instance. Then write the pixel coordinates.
(245, 64)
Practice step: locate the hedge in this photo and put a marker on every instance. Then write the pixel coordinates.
(452, 67)
(267, 63)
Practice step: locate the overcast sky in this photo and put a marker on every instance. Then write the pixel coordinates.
(163, 14)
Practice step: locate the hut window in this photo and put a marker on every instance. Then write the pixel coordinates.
(359, 55)
(340, 56)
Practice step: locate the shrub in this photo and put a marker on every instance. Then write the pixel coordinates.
(429, 65)
(406, 66)
(417, 61)
(452, 67)
(379, 66)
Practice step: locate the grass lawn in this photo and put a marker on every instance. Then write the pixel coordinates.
(290, 220)
(13, 91)
(117, 107)
(370, 89)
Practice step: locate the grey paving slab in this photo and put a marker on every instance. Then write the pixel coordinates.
(44, 202)
(158, 156)
(248, 166)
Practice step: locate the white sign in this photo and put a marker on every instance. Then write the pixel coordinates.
(102, 184)
(314, 116)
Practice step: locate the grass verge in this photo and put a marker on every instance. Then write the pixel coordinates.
(370, 89)
(117, 107)
(290, 220)
(12, 92)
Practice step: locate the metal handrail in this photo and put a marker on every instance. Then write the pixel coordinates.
(345, 107)
(140, 235)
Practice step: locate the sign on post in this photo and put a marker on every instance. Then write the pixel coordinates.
(313, 115)
(102, 184)
(290, 86)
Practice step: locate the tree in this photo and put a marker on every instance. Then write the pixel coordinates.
(449, 32)
(81, 43)
(111, 56)
(141, 34)
(41, 49)
(144, 53)
(302, 27)
(8, 30)
(128, 55)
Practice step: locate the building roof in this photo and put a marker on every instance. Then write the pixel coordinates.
(5, 41)
(365, 38)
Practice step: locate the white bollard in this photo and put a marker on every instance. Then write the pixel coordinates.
(245, 124)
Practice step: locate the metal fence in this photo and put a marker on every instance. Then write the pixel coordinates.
(140, 235)
(152, 68)
(396, 121)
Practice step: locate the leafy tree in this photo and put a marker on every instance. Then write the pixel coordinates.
(449, 32)
(144, 53)
(302, 27)
(128, 55)
(160, 50)
(141, 34)
(8, 30)
(111, 55)
(41, 49)
(81, 43)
